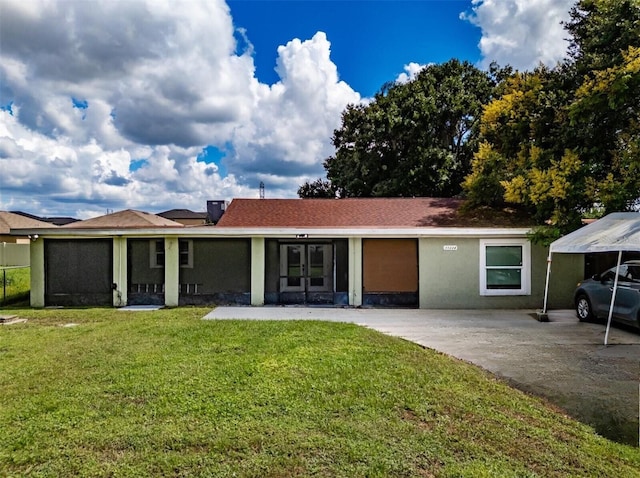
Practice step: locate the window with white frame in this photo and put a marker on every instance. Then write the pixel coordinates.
(157, 253)
(505, 267)
(185, 251)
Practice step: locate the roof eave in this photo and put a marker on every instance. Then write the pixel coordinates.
(292, 232)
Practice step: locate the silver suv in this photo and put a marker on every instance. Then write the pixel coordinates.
(593, 296)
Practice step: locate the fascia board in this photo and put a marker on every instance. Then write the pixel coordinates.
(414, 232)
(361, 232)
(71, 233)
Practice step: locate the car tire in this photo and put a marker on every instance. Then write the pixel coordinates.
(583, 308)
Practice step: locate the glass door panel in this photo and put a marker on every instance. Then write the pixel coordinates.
(319, 260)
(292, 264)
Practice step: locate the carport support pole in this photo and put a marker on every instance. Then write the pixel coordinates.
(613, 297)
(546, 287)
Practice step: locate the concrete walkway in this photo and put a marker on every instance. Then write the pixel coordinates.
(563, 360)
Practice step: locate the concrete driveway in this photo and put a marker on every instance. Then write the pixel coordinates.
(563, 360)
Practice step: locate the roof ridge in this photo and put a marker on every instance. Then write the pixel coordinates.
(142, 215)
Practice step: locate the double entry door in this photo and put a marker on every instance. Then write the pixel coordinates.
(306, 268)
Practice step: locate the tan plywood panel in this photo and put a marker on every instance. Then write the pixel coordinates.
(390, 265)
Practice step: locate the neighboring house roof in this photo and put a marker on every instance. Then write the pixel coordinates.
(182, 214)
(127, 219)
(356, 212)
(10, 220)
(55, 220)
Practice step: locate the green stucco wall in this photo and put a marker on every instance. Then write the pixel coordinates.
(566, 271)
(450, 279)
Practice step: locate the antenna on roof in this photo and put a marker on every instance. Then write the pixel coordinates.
(261, 190)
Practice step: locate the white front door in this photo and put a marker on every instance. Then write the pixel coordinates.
(306, 267)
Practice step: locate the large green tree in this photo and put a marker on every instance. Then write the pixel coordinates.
(412, 139)
(601, 31)
(605, 113)
(560, 142)
(605, 117)
(524, 158)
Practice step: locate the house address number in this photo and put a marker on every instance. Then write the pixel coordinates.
(450, 247)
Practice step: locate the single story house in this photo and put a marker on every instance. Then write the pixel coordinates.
(409, 252)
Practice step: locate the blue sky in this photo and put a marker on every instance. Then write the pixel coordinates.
(371, 41)
(154, 104)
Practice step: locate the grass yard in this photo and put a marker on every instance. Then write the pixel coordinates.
(167, 394)
(14, 284)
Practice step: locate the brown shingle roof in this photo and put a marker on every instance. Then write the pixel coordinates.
(360, 212)
(9, 220)
(127, 219)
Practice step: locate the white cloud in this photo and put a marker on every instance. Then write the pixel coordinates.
(95, 86)
(521, 33)
(289, 134)
(410, 72)
(52, 176)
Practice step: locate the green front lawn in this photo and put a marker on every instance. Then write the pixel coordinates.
(167, 394)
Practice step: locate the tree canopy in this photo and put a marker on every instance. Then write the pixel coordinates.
(523, 158)
(320, 188)
(412, 139)
(559, 143)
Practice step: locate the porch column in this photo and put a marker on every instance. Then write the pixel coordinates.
(355, 271)
(120, 271)
(257, 270)
(171, 272)
(36, 258)
(423, 268)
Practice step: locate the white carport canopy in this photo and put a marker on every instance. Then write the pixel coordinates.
(617, 232)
